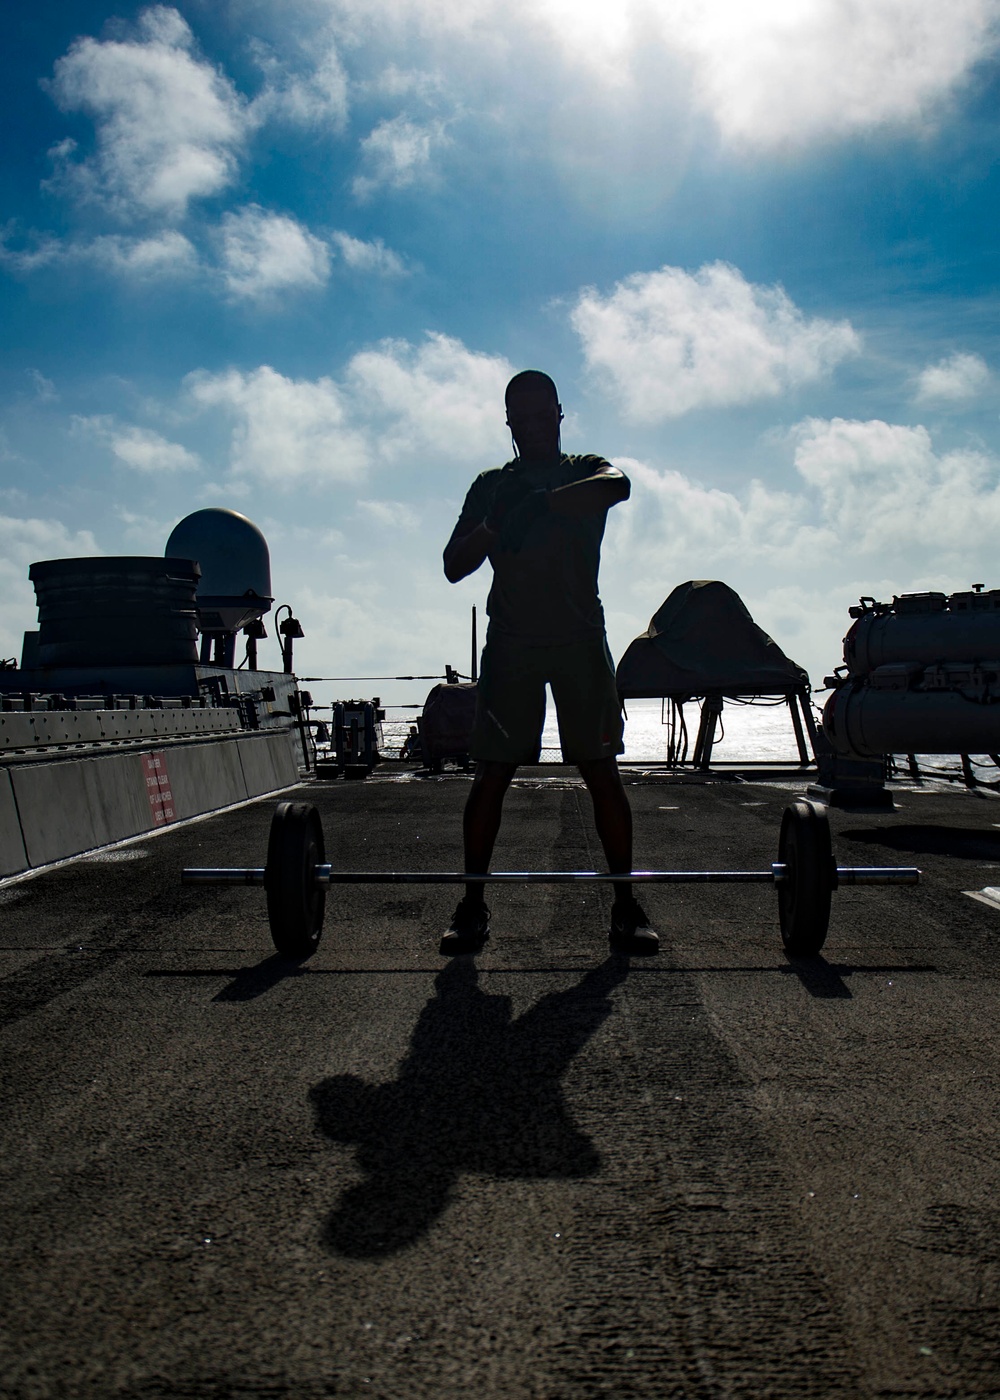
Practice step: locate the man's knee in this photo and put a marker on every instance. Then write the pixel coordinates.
(601, 774)
(492, 778)
(604, 782)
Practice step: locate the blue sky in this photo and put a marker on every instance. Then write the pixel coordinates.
(284, 257)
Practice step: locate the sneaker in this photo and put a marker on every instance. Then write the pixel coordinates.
(468, 931)
(630, 930)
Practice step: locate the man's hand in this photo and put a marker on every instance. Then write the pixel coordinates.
(464, 552)
(516, 507)
(511, 490)
(520, 518)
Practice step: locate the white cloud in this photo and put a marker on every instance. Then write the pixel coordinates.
(224, 492)
(45, 390)
(398, 154)
(166, 254)
(437, 398)
(955, 379)
(24, 541)
(872, 495)
(767, 73)
(29, 254)
(869, 490)
(398, 405)
(168, 125)
(777, 73)
(261, 254)
(139, 449)
(392, 515)
(395, 82)
(264, 253)
(369, 257)
(883, 488)
(287, 433)
(316, 96)
(670, 341)
(144, 533)
(696, 527)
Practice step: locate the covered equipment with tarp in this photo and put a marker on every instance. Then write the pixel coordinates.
(702, 643)
(446, 725)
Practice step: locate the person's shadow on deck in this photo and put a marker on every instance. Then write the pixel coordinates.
(477, 1092)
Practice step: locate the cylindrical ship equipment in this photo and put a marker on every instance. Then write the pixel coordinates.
(867, 721)
(923, 627)
(116, 611)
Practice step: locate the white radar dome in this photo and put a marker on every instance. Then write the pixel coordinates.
(235, 585)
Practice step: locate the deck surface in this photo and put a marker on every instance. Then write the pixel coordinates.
(542, 1172)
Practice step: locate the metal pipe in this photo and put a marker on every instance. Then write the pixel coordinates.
(874, 875)
(222, 877)
(326, 876)
(778, 873)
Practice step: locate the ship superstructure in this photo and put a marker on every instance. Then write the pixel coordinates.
(129, 711)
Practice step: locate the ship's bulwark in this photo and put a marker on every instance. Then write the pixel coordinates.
(539, 1173)
(73, 779)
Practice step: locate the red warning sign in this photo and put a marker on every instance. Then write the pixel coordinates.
(161, 799)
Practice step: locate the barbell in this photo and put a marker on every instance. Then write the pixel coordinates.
(297, 876)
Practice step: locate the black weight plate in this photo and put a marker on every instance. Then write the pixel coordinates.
(804, 896)
(295, 903)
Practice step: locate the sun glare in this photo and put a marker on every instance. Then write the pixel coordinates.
(783, 71)
(595, 24)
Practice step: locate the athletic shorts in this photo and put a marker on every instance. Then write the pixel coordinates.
(510, 701)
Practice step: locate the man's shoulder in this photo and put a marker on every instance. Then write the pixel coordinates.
(489, 476)
(480, 493)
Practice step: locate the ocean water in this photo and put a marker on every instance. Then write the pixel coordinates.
(751, 733)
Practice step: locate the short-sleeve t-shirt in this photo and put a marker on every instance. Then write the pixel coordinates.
(546, 592)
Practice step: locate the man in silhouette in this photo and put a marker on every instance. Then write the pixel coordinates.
(540, 521)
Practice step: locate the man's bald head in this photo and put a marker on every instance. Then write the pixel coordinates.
(530, 381)
(534, 414)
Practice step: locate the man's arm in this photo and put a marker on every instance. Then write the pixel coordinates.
(594, 494)
(486, 506)
(605, 487)
(471, 543)
(466, 550)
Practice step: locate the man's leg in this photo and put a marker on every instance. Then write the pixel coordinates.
(630, 930)
(510, 712)
(612, 817)
(481, 821)
(582, 677)
(470, 923)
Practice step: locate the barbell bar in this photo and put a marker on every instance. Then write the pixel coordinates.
(326, 875)
(297, 877)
